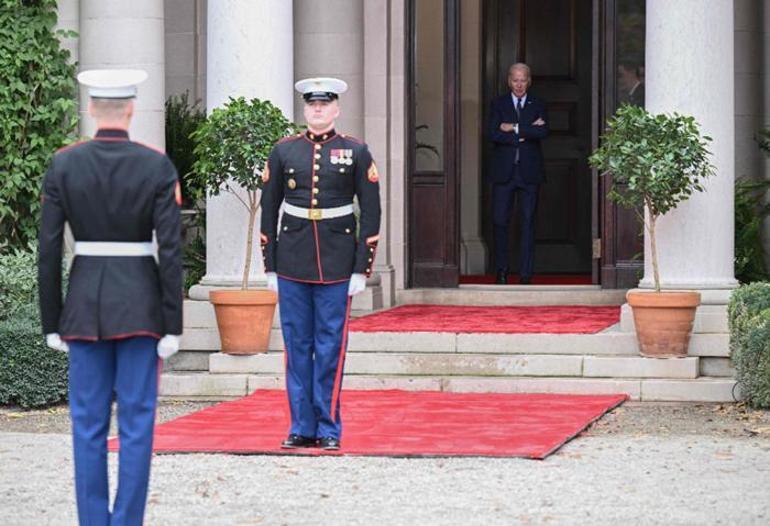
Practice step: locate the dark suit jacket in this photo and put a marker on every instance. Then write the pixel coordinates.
(527, 141)
(111, 189)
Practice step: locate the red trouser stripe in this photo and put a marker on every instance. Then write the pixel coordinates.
(340, 364)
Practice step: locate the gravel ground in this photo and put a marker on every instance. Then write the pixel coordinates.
(642, 464)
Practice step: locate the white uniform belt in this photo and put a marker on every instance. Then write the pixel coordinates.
(113, 248)
(317, 214)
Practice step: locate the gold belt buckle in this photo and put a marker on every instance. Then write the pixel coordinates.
(315, 214)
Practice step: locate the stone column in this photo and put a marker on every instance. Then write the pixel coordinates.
(119, 34)
(329, 42)
(249, 53)
(68, 12)
(689, 69)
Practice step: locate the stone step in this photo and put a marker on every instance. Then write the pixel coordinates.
(610, 342)
(223, 386)
(514, 295)
(424, 364)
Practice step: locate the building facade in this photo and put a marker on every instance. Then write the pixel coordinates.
(421, 75)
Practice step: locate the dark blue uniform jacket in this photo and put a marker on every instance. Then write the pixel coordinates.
(111, 189)
(323, 171)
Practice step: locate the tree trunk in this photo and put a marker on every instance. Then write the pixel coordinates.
(654, 250)
(249, 245)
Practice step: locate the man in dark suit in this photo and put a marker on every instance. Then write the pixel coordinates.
(123, 310)
(630, 83)
(319, 256)
(518, 121)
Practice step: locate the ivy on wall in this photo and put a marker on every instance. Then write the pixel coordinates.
(38, 110)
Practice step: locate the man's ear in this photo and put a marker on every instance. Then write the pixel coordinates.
(130, 109)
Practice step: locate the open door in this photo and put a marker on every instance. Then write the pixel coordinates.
(433, 218)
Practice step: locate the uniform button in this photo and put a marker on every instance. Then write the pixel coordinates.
(317, 146)
(316, 190)
(315, 178)
(314, 201)
(317, 167)
(318, 156)
(342, 170)
(325, 137)
(347, 231)
(368, 270)
(291, 170)
(285, 228)
(370, 260)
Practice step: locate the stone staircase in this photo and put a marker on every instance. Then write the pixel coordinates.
(606, 362)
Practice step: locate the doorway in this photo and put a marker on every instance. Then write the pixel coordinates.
(554, 37)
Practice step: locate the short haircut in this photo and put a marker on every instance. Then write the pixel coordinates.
(109, 108)
(522, 66)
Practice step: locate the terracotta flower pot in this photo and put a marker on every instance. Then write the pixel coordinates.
(244, 318)
(663, 321)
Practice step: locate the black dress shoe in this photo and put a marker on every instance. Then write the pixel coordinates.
(502, 277)
(525, 280)
(297, 441)
(329, 443)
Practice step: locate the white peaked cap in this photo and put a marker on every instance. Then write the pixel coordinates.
(319, 88)
(112, 83)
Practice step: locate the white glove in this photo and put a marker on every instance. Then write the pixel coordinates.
(168, 346)
(55, 342)
(357, 284)
(272, 281)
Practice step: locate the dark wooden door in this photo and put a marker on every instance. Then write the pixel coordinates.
(555, 38)
(432, 149)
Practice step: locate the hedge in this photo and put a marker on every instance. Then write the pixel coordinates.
(31, 374)
(749, 320)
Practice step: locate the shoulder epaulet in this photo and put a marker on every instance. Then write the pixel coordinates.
(290, 138)
(71, 146)
(150, 147)
(351, 138)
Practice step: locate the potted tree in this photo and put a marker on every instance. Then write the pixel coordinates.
(656, 162)
(231, 150)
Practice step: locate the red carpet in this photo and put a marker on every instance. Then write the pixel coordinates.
(561, 319)
(537, 279)
(396, 423)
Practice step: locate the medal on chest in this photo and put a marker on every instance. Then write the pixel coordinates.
(341, 156)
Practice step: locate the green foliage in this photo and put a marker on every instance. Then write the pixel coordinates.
(18, 282)
(232, 147)
(31, 374)
(38, 110)
(656, 161)
(750, 213)
(660, 159)
(233, 144)
(182, 119)
(749, 321)
(194, 257)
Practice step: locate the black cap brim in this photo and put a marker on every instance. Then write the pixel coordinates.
(319, 95)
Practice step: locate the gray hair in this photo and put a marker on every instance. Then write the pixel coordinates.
(522, 66)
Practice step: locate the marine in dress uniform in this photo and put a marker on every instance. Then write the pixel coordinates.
(319, 256)
(518, 122)
(123, 309)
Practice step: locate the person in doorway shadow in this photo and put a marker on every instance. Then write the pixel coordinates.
(518, 122)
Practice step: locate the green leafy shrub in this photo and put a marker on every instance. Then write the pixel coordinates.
(749, 320)
(31, 374)
(182, 119)
(231, 149)
(655, 161)
(750, 214)
(38, 110)
(18, 283)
